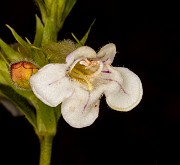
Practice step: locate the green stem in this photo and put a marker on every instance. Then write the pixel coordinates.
(45, 150)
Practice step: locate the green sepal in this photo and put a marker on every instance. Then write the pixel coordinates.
(46, 117)
(57, 111)
(39, 57)
(56, 52)
(21, 102)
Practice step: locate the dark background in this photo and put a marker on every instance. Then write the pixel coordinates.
(147, 39)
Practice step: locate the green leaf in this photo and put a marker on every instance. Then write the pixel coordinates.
(20, 40)
(59, 13)
(78, 42)
(48, 3)
(2, 58)
(10, 52)
(3, 72)
(50, 32)
(54, 13)
(22, 103)
(39, 32)
(83, 40)
(85, 37)
(68, 7)
(42, 9)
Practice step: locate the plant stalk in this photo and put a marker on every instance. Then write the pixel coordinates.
(45, 150)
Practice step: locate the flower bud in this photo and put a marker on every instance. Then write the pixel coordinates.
(21, 73)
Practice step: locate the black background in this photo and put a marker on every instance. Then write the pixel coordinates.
(147, 39)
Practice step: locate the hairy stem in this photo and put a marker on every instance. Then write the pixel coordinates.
(45, 150)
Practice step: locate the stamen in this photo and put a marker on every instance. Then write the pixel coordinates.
(84, 69)
(85, 62)
(79, 60)
(77, 73)
(92, 63)
(98, 71)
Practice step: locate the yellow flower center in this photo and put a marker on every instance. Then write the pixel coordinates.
(84, 70)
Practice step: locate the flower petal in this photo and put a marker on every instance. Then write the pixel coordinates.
(83, 51)
(82, 108)
(50, 85)
(125, 95)
(107, 53)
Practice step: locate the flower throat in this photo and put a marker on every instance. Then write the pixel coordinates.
(83, 70)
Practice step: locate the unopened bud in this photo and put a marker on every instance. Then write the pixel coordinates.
(21, 73)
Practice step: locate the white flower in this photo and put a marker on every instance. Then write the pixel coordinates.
(80, 83)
